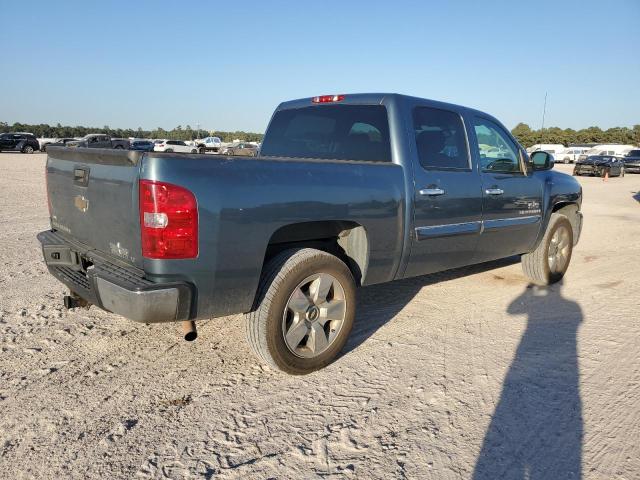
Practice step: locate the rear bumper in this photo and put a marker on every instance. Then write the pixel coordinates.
(116, 288)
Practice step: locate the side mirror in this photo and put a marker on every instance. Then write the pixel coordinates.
(542, 161)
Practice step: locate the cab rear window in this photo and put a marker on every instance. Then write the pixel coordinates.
(331, 132)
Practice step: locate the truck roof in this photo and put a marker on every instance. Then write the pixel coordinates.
(386, 98)
(371, 98)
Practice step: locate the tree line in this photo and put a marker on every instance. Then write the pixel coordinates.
(525, 135)
(623, 135)
(44, 130)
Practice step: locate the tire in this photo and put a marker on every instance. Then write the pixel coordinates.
(168, 150)
(567, 160)
(118, 147)
(538, 265)
(193, 150)
(43, 148)
(285, 329)
(203, 150)
(28, 149)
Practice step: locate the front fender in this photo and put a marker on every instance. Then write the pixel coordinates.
(560, 191)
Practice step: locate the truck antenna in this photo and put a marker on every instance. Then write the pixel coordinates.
(544, 111)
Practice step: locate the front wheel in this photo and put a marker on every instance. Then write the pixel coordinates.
(548, 263)
(304, 311)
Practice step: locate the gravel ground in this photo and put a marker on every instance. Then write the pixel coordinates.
(466, 374)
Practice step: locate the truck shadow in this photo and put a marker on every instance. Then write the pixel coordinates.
(536, 428)
(378, 304)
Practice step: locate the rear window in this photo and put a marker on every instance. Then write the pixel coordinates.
(331, 132)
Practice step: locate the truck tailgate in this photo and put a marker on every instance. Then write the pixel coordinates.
(93, 198)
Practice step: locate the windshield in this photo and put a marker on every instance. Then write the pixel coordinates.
(332, 132)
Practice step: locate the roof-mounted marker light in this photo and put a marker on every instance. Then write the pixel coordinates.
(328, 98)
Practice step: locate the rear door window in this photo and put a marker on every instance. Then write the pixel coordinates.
(331, 132)
(440, 139)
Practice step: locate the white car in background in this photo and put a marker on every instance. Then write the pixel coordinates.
(570, 154)
(551, 148)
(177, 146)
(610, 149)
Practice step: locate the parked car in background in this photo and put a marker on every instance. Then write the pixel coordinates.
(19, 142)
(99, 140)
(632, 161)
(177, 146)
(609, 149)
(569, 155)
(210, 144)
(142, 145)
(348, 190)
(242, 148)
(58, 142)
(600, 165)
(551, 148)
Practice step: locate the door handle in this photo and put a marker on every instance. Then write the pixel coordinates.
(494, 191)
(431, 191)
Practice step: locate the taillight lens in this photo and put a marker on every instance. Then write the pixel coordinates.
(168, 221)
(327, 98)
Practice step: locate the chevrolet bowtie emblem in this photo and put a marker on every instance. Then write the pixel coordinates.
(81, 203)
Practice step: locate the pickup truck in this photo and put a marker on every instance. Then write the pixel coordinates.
(348, 191)
(98, 140)
(210, 144)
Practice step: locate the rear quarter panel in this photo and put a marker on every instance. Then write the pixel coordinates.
(242, 201)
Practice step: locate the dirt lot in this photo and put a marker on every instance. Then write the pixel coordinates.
(459, 375)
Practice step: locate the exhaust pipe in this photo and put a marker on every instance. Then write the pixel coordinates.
(189, 330)
(74, 301)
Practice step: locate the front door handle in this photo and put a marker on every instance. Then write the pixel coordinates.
(431, 191)
(494, 191)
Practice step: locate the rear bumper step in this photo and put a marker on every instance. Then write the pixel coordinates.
(112, 287)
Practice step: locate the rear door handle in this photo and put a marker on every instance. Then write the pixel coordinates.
(431, 191)
(494, 191)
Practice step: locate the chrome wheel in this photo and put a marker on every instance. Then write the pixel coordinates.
(559, 250)
(314, 315)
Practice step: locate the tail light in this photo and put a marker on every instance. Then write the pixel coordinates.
(168, 221)
(328, 98)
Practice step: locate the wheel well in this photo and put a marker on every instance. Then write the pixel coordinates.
(346, 240)
(569, 210)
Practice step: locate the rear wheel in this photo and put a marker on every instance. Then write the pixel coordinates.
(304, 311)
(548, 263)
(27, 149)
(193, 150)
(567, 160)
(118, 147)
(168, 150)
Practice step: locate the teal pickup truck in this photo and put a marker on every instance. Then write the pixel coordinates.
(346, 191)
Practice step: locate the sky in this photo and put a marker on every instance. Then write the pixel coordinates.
(225, 65)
